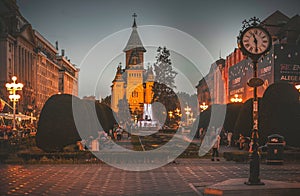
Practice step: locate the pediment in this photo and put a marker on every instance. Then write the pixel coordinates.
(27, 33)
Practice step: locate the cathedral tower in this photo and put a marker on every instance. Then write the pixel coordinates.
(134, 70)
(133, 83)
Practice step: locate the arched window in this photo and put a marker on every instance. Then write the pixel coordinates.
(135, 94)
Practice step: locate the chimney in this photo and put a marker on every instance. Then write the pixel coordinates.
(62, 52)
(56, 45)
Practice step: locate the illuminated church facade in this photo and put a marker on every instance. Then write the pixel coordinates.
(133, 83)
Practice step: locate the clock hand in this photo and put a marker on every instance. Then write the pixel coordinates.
(255, 41)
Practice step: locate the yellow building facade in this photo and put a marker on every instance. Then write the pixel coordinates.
(133, 83)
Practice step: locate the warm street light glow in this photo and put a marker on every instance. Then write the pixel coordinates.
(236, 99)
(177, 112)
(298, 87)
(170, 114)
(14, 97)
(203, 106)
(12, 88)
(187, 112)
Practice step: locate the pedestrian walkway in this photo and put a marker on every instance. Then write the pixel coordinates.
(182, 177)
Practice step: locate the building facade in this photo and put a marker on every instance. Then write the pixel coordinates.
(46, 70)
(211, 89)
(281, 63)
(26, 54)
(133, 83)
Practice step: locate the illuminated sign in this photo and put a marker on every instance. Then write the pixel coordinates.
(289, 72)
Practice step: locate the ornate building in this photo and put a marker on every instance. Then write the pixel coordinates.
(25, 53)
(133, 83)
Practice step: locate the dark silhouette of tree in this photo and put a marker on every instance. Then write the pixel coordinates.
(232, 113)
(164, 73)
(281, 112)
(123, 114)
(169, 101)
(205, 117)
(106, 100)
(163, 88)
(58, 127)
(244, 122)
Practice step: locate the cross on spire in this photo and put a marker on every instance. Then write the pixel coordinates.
(134, 23)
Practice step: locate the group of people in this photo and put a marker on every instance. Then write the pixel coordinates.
(117, 131)
(225, 136)
(218, 136)
(104, 138)
(7, 132)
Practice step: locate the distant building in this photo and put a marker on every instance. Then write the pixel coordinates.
(133, 83)
(211, 89)
(90, 98)
(25, 53)
(281, 63)
(68, 76)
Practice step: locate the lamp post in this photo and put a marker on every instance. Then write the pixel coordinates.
(203, 106)
(170, 114)
(236, 99)
(254, 41)
(12, 89)
(177, 112)
(187, 112)
(177, 115)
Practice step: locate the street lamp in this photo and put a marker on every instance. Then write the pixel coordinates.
(170, 114)
(187, 112)
(203, 106)
(298, 87)
(254, 41)
(12, 89)
(236, 99)
(177, 111)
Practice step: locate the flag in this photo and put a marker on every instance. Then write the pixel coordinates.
(2, 104)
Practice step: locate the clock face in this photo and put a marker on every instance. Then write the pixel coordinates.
(256, 40)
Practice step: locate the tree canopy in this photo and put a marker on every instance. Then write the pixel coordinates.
(57, 127)
(164, 73)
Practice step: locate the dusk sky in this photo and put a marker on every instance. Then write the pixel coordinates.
(79, 25)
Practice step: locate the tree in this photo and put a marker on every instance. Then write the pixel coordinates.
(281, 112)
(57, 127)
(106, 100)
(123, 114)
(164, 73)
(163, 88)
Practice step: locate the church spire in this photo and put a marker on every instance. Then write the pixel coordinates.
(134, 41)
(134, 23)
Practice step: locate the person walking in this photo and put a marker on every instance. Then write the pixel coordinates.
(119, 133)
(229, 137)
(215, 148)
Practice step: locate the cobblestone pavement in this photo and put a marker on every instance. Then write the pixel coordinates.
(184, 177)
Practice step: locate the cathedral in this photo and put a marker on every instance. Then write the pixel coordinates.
(133, 83)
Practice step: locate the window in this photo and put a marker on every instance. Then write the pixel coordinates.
(135, 94)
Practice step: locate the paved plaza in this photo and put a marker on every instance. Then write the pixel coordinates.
(184, 177)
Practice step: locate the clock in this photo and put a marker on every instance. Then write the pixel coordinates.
(255, 41)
